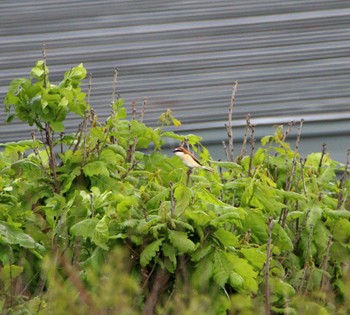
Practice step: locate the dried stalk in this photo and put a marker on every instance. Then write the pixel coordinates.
(229, 124)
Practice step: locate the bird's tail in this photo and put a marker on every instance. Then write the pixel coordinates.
(207, 168)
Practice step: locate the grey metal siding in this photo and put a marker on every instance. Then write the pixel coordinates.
(291, 58)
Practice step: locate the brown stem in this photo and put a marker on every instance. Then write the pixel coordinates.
(160, 281)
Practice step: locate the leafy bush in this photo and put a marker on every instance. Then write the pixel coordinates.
(96, 223)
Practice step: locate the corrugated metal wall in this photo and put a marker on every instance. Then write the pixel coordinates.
(291, 58)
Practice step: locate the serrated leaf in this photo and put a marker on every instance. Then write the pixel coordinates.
(282, 239)
(201, 253)
(170, 252)
(181, 242)
(246, 271)
(221, 268)
(202, 273)
(150, 251)
(255, 256)
(226, 238)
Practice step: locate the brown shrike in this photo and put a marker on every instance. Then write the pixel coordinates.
(189, 159)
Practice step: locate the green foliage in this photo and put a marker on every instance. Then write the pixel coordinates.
(105, 226)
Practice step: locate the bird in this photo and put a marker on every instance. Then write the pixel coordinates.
(190, 160)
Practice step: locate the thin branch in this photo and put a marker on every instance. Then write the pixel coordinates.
(252, 144)
(144, 105)
(229, 124)
(343, 181)
(133, 110)
(225, 149)
(324, 148)
(245, 138)
(43, 52)
(114, 86)
(324, 264)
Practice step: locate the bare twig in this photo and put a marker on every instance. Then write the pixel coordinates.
(229, 124)
(343, 181)
(324, 148)
(133, 110)
(289, 129)
(43, 51)
(114, 86)
(324, 264)
(144, 105)
(245, 139)
(225, 149)
(267, 267)
(252, 144)
(37, 153)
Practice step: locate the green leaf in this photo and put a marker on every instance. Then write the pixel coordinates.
(201, 253)
(255, 256)
(95, 168)
(202, 273)
(170, 252)
(84, 228)
(10, 272)
(57, 126)
(181, 242)
(11, 235)
(150, 251)
(221, 269)
(182, 196)
(282, 240)
(100, 234)
(226, 238)
(245, 270)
